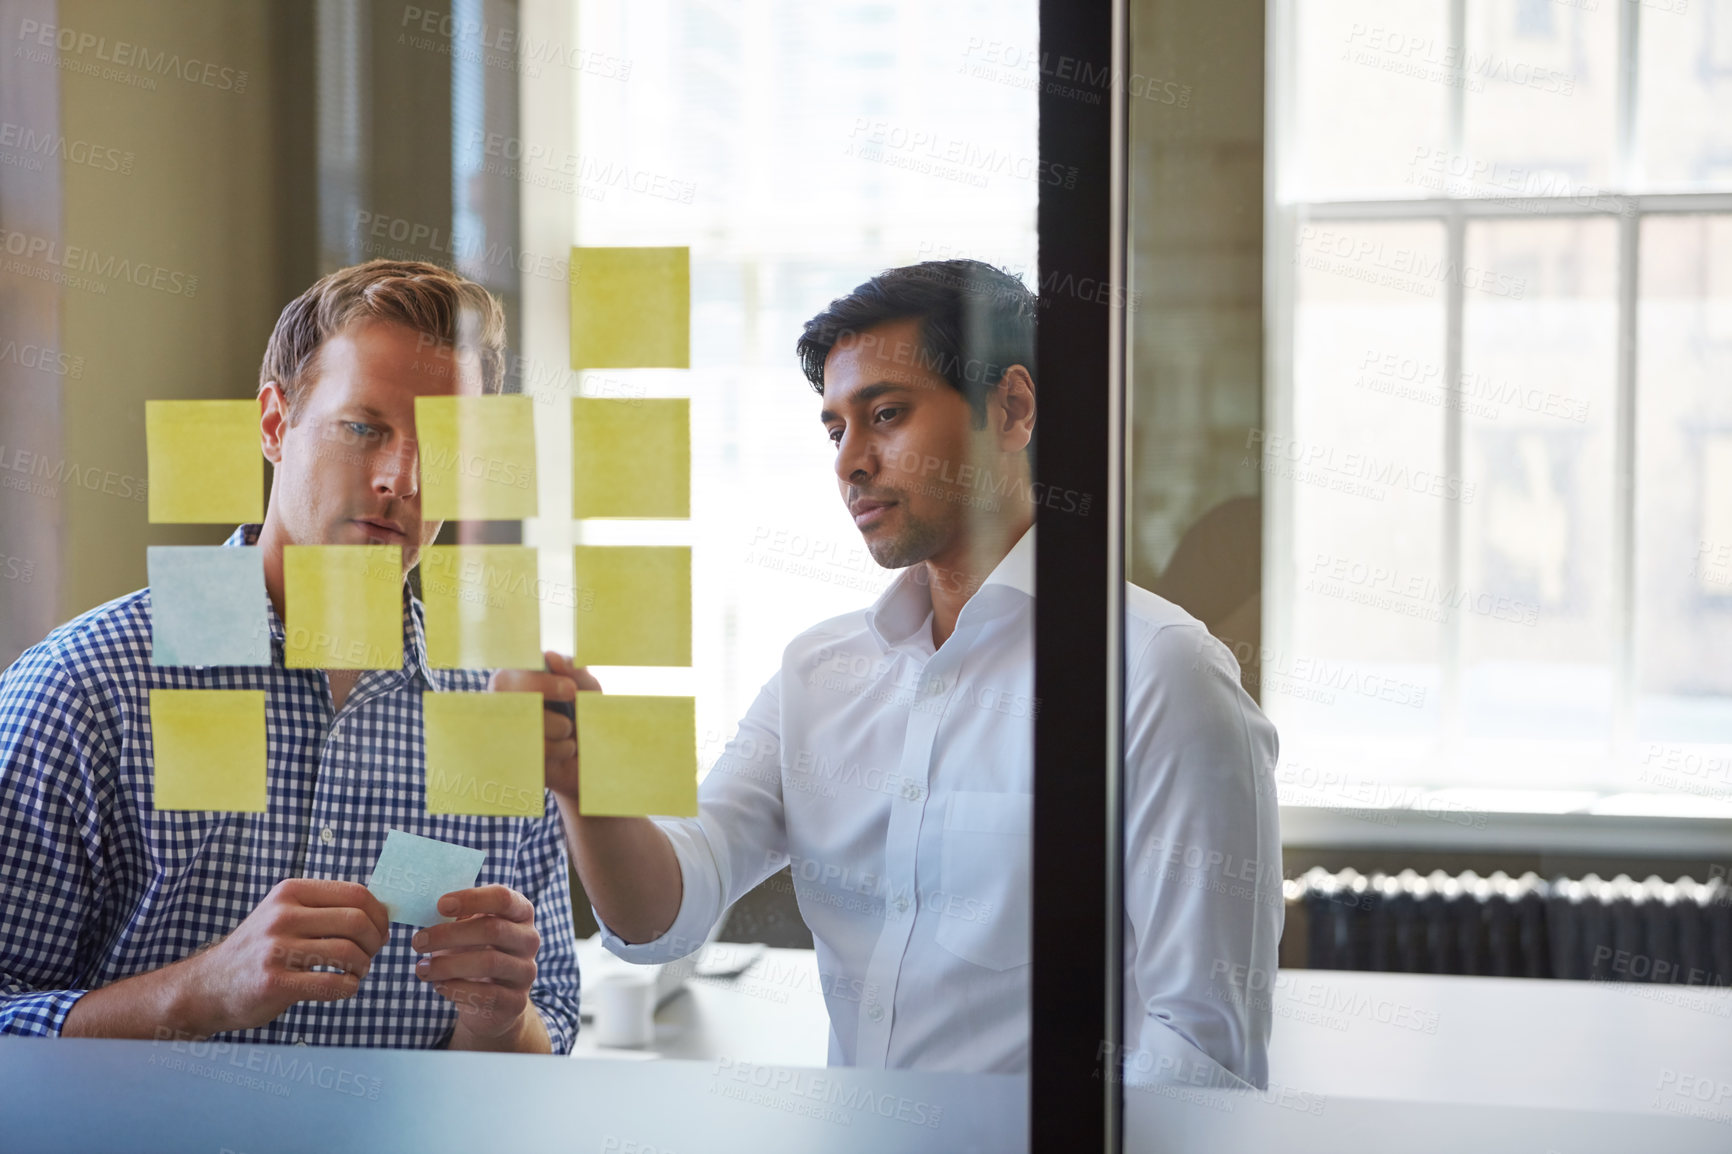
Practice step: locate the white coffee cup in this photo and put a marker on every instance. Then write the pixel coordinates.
(625, 1007)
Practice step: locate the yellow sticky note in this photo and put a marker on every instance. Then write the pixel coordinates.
(634, 605)
(477, 457)
(631, 457)
(205, 464)
(484, 753)
(208, 749)
(343, 606)
(639, 754)
(483, 607)
(631, 308)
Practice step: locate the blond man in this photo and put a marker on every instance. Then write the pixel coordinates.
(120, 920)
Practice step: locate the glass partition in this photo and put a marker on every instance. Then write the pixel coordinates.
(1425, 300)
(520, 536)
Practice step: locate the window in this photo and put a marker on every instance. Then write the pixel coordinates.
(1499, 467)
(799, 149)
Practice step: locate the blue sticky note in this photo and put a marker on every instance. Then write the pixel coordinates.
(207, 605)
(413, 873)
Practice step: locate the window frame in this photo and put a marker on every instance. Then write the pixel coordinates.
(1076, 1098)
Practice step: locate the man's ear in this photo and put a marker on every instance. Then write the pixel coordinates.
(273, 421)
(1016, 397)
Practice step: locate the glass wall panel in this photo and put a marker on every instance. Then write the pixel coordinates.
(626, 656)
(1426, 347)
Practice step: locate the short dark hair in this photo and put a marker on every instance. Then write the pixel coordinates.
(975, 322)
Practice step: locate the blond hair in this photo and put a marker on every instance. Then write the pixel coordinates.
(447, 308)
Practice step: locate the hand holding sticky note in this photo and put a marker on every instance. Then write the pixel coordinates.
(413, 873)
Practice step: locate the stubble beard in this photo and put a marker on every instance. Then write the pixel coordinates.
(917, 541)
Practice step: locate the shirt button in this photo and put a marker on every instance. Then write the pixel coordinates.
(876, 1013)
(902, 905)
(300, 1041)
(911, 792)
(937, 686)
(327, 836)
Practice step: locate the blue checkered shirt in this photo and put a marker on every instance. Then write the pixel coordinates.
(96, 885)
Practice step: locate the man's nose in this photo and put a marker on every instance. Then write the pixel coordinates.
(397, 470)
(856, 458)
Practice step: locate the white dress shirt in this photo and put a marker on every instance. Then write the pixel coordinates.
(897, 781)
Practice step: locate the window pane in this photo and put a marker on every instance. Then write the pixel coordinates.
(1373, 78)
(1365, 468)
(797, 180)
(1539, 82)
(1538, 363)
(1685, 81)
(1684, 507)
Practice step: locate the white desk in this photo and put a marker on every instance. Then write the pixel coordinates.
(1497, 1041)
(1448, 1063)
(773, 1014)
(1416, 1063)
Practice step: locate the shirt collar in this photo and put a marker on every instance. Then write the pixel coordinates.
(414, 620)
(907, 604)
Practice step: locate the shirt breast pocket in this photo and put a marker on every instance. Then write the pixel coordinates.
(983, 910)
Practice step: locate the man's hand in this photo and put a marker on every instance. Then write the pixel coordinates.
(484, 964)
(561, 682)
(266, 964)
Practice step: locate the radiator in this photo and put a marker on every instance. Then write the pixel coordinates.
(1676, 932)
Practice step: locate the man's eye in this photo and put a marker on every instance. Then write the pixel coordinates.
(835, 435)
(360, 430)
(889, 413)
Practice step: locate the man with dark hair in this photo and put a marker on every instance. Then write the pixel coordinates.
(889, 761)
(122, 920)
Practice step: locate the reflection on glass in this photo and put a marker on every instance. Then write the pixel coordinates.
(868, 820)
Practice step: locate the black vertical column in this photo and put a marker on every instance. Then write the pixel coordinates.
(1079, 572)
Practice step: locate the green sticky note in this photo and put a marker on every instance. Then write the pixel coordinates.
(631, 308)
(477, 457)
(634, 605)
(343, 606)
(483, 606)
(208, 749)
(484, 753)
(640, 756)
(631, 457)
(206, 467)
